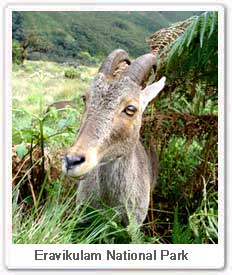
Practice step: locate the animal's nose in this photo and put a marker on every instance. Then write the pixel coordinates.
(72, 161)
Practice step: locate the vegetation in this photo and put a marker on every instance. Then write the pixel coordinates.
(199, 42)
(185, 130)
(71, 73)
(62, 36)
(181, 124)
(17, 53)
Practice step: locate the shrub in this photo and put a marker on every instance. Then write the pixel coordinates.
(71, 73)
(88, 59)
(17, 53)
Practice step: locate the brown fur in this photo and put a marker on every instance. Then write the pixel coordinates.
(116, 170)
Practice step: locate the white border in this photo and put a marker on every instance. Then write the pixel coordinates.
(21, 256)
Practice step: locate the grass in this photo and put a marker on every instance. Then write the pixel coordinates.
(58, 220)
(44, 210)
(47, 80)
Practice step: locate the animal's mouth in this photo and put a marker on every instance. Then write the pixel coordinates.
(73, 174)
(78, 164)
(80, 172)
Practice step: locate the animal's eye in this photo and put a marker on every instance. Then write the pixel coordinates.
(130, 110)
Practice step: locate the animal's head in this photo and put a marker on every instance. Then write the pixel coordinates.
(113, 115)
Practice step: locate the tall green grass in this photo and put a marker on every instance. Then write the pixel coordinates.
(58, 220)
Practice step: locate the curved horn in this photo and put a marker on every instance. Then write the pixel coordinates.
(140, 68)
(112, 60)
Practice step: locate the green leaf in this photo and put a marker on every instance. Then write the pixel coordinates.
(202, 31)
(62, 124)
(193, 27)
(182, 44)
(214, 16)
(21, 151)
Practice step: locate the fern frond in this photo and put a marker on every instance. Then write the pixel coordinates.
(213, 23)
(191, 30)
(202, 31)
(171, 42)
(164, 37)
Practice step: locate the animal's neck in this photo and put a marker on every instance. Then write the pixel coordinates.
(115, 179)
(118, 171)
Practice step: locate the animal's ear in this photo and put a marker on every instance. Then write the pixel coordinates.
(151, 91)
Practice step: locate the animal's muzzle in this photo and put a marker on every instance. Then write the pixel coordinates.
(73, 161)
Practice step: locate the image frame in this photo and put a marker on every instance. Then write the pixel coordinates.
(13, 249)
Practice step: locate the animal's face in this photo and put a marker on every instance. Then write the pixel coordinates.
(111, 123)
